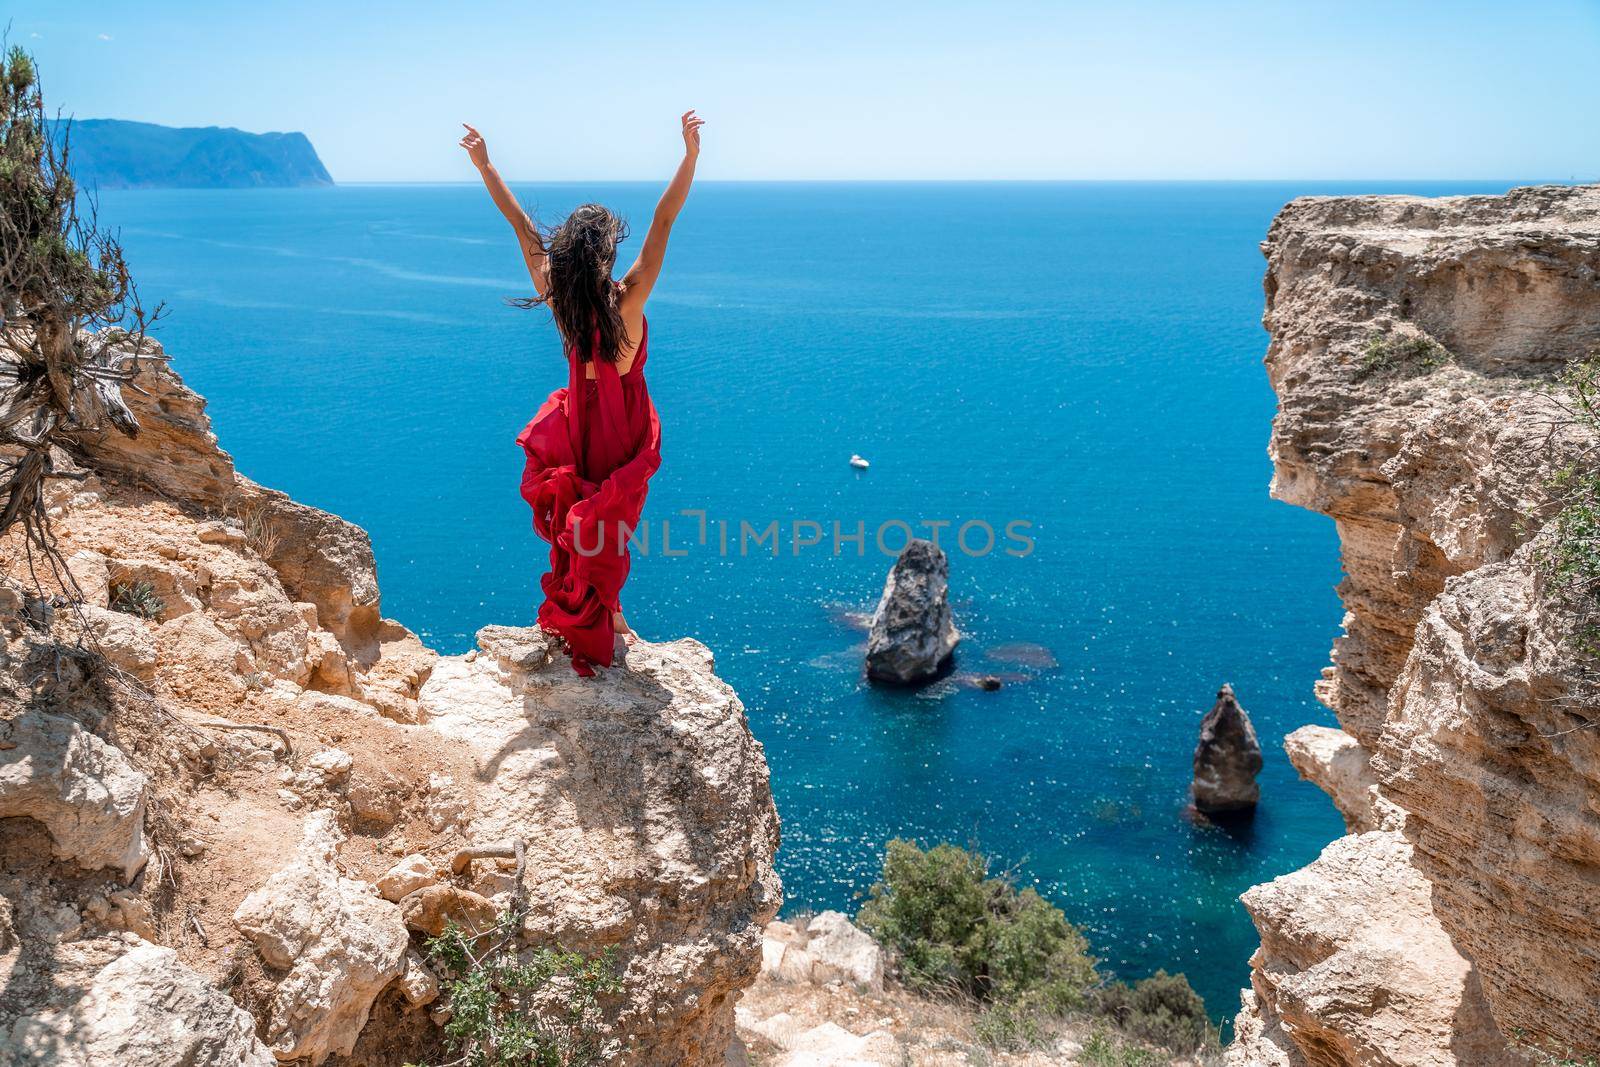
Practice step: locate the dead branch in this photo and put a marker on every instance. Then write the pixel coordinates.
(278, 732)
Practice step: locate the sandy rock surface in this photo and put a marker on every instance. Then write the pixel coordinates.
(339, 941)
(144, 1007)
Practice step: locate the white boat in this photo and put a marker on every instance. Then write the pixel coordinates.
(858, 463)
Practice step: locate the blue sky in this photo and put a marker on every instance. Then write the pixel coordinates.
(1003, 89)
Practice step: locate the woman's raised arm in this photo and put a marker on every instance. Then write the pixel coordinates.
(527, 233)
(641, 277)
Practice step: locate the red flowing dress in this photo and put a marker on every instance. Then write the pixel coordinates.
(591, 450)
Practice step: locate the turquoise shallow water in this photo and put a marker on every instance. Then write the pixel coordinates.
(1084, 358)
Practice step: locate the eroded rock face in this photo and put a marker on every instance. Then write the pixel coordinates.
(912, 634)
(655, 824)
(143, 1009)
(340, 942)
(1226, 759)
(82, 789)
(1358, 970)
(1491, 750)
(1341, 767)
(1463, 736)
(322, 558)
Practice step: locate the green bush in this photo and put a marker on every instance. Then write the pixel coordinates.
(1163, 1009)
(932, 910)
(537, 1009)
(1407, 351)
(1569, 560)
(950, 926)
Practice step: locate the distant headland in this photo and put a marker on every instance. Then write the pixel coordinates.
(116, 154)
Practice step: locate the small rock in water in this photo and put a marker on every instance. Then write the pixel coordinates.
(858, 462)
(912, 634)
(1227, 759)
(988, 683)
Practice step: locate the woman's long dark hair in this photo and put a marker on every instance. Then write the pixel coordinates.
(582, 298)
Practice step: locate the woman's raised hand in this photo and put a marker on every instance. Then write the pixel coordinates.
(477, 151)
(691, 133)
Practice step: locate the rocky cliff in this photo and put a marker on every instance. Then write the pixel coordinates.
(234, 799)
(117, 154)
(1417, 347)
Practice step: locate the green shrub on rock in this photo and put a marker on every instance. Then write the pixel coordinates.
(521, 1009)
(1163, 1009)
(950, 926)
(1106, 1049)
(932, 910)
(1568, 558)
(1413, 353)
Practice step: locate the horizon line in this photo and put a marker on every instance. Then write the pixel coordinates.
(1570, 181)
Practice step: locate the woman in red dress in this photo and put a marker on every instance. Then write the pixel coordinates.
(593, 446)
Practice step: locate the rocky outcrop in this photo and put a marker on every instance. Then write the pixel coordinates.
(144, 1007)
(822, 1001)
(340, 943)
(912, 635)
(1356, 968)
(656, 827)
(84, 791)
(232, 792)
(827, 947)
(1415, 350)
(1338, 765)
(1227, 759)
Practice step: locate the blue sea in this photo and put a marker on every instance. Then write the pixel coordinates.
(1083, 359)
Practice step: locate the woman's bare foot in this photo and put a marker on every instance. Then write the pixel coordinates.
(619, 625)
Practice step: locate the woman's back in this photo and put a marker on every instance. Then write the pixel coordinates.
(594, 444)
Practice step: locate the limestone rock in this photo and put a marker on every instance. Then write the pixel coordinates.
(374, 798)
(912, 634)
(1340, 766)
(1460, 702)
(321, 558)
(1358, 970)
(841, 950)
(409, 875)
(1227, 758)
(1426, 475)
(125, 641)
(418, 983)
(429, 908)
(144, 1009)
(1258, 1038)
(93, 578)
(82, 789)
(826, 948)
(339, 941)
(643, 801)
(825, 1045)
(1490, 748)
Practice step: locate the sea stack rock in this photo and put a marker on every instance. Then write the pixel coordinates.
(1227, 759)
(912, 635)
